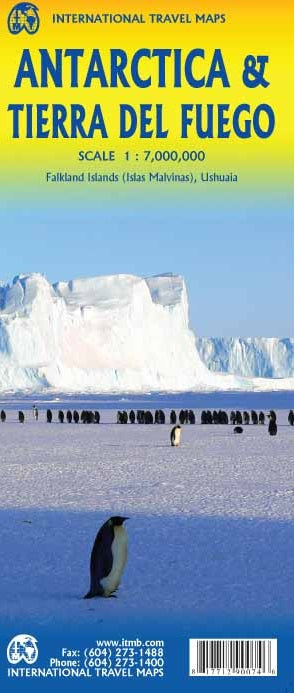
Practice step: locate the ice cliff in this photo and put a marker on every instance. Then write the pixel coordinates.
(105, 334)
(264, 357)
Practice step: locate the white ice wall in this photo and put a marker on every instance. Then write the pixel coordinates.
(105, 334)
(264, 357)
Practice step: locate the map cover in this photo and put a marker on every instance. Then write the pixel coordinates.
(146, 351)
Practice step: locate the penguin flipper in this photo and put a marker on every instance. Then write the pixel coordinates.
(101, 560)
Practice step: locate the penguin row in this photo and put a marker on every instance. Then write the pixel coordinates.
(86, 416)
(236, 418)
(215, 417)
(141, 416)
(186, 416)
(239, 418)
(146, 417)
(272, 426)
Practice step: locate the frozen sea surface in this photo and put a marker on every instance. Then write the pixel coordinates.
(280, 399)
(210, 529)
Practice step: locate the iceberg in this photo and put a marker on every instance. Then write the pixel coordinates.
(117, 333)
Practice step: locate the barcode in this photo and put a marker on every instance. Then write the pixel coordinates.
(233, 657)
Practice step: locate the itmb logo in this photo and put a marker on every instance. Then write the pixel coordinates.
(23, 16)
(22, 647)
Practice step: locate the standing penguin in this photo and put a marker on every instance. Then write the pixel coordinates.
(173, 417)
(261, 418)
(108, 558)
(272, 427)
(175, 436)
(132, 416)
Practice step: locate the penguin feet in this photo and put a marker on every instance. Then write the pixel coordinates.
(91, 595)
(98, 592)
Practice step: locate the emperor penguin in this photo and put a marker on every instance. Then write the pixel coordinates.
(175, 436)
(108, 558)
(272, 427)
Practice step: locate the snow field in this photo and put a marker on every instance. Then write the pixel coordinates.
(210, 527)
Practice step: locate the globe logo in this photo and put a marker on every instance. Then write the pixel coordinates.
(22, 647)
(23, 16)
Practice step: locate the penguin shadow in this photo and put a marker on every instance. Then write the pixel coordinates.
(49, 561)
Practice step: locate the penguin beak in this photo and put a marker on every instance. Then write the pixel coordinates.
(125, 518)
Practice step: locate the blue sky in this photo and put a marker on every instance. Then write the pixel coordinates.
(236, 258)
